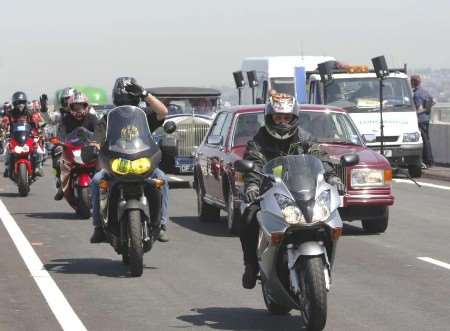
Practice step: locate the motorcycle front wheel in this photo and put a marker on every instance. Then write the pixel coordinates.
(135, 244)
(84, 203)
(22, 180)
(314, 311)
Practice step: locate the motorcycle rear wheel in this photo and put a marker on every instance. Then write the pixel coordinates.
(22, 180)
(314, 312)
(84, 203)
(135, 244)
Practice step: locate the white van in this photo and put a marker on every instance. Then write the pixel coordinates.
(277, 72)
(358, 93)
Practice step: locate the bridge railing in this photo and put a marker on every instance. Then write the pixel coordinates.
(440, 133)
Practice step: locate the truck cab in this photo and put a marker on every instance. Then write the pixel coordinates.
(357, 91)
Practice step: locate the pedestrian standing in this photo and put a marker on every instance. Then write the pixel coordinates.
(423, 102)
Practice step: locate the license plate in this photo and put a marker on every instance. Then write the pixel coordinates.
(387, 152)
(186, 168)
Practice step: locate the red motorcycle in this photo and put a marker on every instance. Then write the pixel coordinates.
(75, 174)
(22, 148)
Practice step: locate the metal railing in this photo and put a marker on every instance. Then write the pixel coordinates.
(440, 113)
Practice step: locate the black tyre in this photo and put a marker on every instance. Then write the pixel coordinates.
(377, 225)
(233, 214)
(84, 203)
(206, 213)
(125, 259)
(135, 244)
(273, 307)
(314, 312)
(415, 171)
(22, 180)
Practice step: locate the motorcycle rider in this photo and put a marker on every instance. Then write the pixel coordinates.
(20, 111)
(279, 136)
(126, 91)
(78, 116)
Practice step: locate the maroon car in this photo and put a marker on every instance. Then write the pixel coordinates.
(368, 184)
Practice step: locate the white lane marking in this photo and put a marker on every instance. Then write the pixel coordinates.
(176, 179)
(59, 305)
(407, 181)
(435, 262)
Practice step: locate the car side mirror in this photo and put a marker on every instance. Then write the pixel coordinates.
(349, 160)
(244, 166)
(369, 138)
(170, 127)
(215, 140)
(89, 154)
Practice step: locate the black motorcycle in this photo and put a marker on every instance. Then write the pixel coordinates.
(130, 198)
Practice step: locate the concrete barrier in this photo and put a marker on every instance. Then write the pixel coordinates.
(440, 133)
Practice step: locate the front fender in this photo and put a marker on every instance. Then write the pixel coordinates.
(308, 248)
(23, 161)
(84, 180)
(141, 204)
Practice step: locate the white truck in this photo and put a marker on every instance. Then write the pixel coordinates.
(357, 90)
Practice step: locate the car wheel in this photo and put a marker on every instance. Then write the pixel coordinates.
(377, 225)
(233, 214)
(206, 212)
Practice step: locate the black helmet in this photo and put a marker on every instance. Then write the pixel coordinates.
(19, 98)
(281, 104)
(120, 96)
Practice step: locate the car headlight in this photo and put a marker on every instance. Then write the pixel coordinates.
(366, 177)
(411, 137)
(127, 167)
(291, 213)
(321, 211)
(21, 149)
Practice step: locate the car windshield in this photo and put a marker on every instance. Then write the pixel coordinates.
(247, 125)
(362, 94)
(191, 105)
(128, 131)
(283, 85)
(329, 127)
(298, 172)
(80, 136)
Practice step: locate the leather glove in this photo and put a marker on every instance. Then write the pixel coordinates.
(252, 193)
(43, 101)
(135, 89)
(334, 180)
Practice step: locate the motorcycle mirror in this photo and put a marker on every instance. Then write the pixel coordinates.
(170, 127)
(89, 154)
(349, 160)
(244, 166)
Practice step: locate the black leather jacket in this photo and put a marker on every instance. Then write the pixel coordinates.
(265, 147)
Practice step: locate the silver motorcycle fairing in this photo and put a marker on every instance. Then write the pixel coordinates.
(271, 221)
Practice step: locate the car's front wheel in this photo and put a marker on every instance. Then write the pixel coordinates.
(232, 214)
(376, 225)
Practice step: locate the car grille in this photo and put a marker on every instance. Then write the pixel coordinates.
(189, 135)
(387, 139)
(341, 172)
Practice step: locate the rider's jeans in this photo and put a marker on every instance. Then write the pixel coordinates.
(95, 194)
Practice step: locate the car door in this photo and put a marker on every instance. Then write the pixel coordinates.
(207, 154)
(217, 160)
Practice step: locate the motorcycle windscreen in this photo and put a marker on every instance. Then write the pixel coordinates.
(20, 132)
(128, 132)
(79, 137)
(298, 172)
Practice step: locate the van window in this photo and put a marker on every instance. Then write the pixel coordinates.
(283, 85)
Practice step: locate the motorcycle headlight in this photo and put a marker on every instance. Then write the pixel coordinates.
(21, 149)
(321, 211)
(291, 213)
(366, 177)
(411, 137)
(127, 167)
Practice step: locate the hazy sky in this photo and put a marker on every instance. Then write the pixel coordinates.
(47, 44)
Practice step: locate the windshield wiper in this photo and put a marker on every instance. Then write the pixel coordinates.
(336, 141)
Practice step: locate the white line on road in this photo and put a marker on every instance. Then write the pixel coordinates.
(59, 305)
(407, 181)
(435, 262)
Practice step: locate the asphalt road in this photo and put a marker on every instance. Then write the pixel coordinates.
(193, 282)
